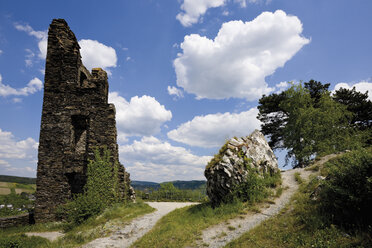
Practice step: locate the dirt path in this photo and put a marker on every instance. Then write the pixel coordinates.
(52, 236)
(138, 227)
(221, 234)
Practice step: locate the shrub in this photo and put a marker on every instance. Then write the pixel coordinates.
(255, 187)
(100, 191)
(346, 197)
(22, 241)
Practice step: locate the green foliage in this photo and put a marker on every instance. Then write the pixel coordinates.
(168, 192)
(119, 214)
(100, 191)
(256, 187)
(298, 177)
(14, 179)
(358, 104)
(301, 225)
(22, 241)
(217, 157)
(308, 122)
(315, 129)
(182, 227)
(273, 117)
(18, 201)
(346, 198)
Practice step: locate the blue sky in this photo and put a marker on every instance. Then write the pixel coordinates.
(184, 75)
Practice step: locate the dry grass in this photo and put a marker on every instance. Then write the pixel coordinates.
(4, 191)
(4, 185)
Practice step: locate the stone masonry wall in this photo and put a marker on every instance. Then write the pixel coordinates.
(76, 119)
(18, 220)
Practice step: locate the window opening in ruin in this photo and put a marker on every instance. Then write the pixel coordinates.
(82, 78)
(80, 127)
(76, 182)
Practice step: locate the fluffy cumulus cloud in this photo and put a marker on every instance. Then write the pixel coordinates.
(141, 116)
(96, 54)
(362, 86)
(13, 153)
(93, 53)
(32, 87)
(193, 9)
(153, 160)
(214, 129)
(174, 91)
(239, 58)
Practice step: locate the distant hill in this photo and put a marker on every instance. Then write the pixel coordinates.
(194, 184)
(139, 185)
(14, 179)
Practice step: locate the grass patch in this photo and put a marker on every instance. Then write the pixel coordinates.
(313, 168)
(183, 226)
(93, 228)
(279, 191)
(301, 225)
(298, 178)
(23, 241)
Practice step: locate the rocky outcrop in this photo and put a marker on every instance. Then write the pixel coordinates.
(235, 160)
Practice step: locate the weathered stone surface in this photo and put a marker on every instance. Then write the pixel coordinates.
(76, 119)
(18, 220)
(228, 169)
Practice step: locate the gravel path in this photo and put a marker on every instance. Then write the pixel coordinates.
(138, 227)
(221, 234)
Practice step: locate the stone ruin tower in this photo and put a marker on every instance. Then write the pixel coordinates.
(76, 119)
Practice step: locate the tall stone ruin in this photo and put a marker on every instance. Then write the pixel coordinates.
(76, 119)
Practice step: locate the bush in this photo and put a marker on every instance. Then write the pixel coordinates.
(255, 187)
(346, 197)
(100, 191)
(22, 241)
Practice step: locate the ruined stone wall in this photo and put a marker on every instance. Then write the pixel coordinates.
(76, 119)
(18, 220)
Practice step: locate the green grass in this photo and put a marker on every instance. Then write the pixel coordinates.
(183, 227)
(301, 225)
(298, 178)
(76, 236)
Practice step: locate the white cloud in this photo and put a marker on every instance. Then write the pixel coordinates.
(95, 54)
(214, 129)
(243, 3)
(153, 160)
(1, 51)
(29, 57)
(282, 86)
(32, 87)
(362, 86)
(141, 116)
(15, 155)
(10, 148)
(242, 54)
(41, 36)
(175, 91)
(193, 9)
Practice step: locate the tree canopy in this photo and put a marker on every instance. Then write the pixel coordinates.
(307, 121)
